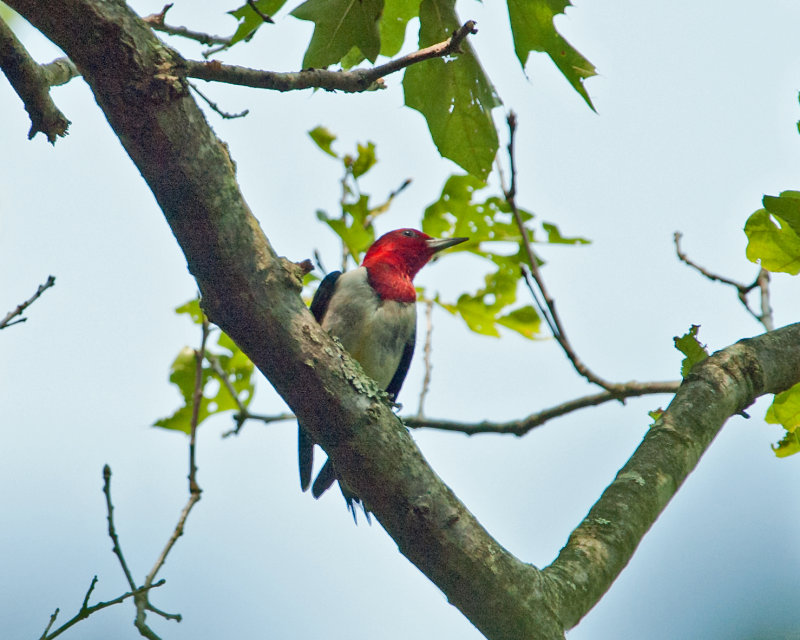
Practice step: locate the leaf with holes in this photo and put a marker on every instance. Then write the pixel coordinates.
(454, 94)
(772, 242)
(689, 346)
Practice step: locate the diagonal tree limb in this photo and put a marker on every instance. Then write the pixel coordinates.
(717, 388)
(253, 295)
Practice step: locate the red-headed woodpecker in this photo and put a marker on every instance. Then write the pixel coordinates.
(372, 311)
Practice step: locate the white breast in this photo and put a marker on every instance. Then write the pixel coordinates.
(373, 331)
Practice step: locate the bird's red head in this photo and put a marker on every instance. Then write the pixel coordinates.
(395, 258)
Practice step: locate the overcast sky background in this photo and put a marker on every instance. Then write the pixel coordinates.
(697, 109)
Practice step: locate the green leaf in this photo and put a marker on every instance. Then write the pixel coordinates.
(533, 30)
(340, 25)
(396, 14)
(234, 365)
(192, 309)
(689, 346)
(772, 242)
(482, 311)
(785, 409)
(454, 95)
(554, 236)
(356, 236)
(250, 21)
(524, 321)
(351, 58)
(182, 374)
(238, 369)
(365, 159)
(788, 446)
(323, 138)
(493, 235)
(786, 206)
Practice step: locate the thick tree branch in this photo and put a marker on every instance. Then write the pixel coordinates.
(353, 81)
(32, 84)
(719, 387)
(254, 297)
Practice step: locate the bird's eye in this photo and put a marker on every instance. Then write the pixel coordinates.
(408, 233)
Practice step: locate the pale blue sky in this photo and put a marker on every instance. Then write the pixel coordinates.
(697, 109)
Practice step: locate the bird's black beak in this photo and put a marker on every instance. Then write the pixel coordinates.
(439, 244)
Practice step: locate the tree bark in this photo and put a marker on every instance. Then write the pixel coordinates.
(253, 295)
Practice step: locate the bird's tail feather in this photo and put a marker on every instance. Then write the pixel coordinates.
(305, 455)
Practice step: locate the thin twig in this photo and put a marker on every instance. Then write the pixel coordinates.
(224, 114)
(156, 22)
(112, 532)
(259, 13)
(353, 81)
(52, 621)
(318, 262)
(243, 416)
(142, 603)
(742, 290)
(7, 321)
(523, 426)
(426, 353)
(383, 207)
(553, 320)
(85, 611)
(762, 282)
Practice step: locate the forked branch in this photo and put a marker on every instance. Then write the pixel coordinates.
(742, 290)
(537, 287)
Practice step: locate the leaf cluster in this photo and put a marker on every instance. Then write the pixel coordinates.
(224, 369)
(454, 93)
(773, 241)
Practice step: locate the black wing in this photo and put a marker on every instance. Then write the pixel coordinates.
(402, 369)
(319, 305)
(305, 445)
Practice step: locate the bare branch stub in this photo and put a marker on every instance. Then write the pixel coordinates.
(223, 114)
(32, 86)
(9, 319)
